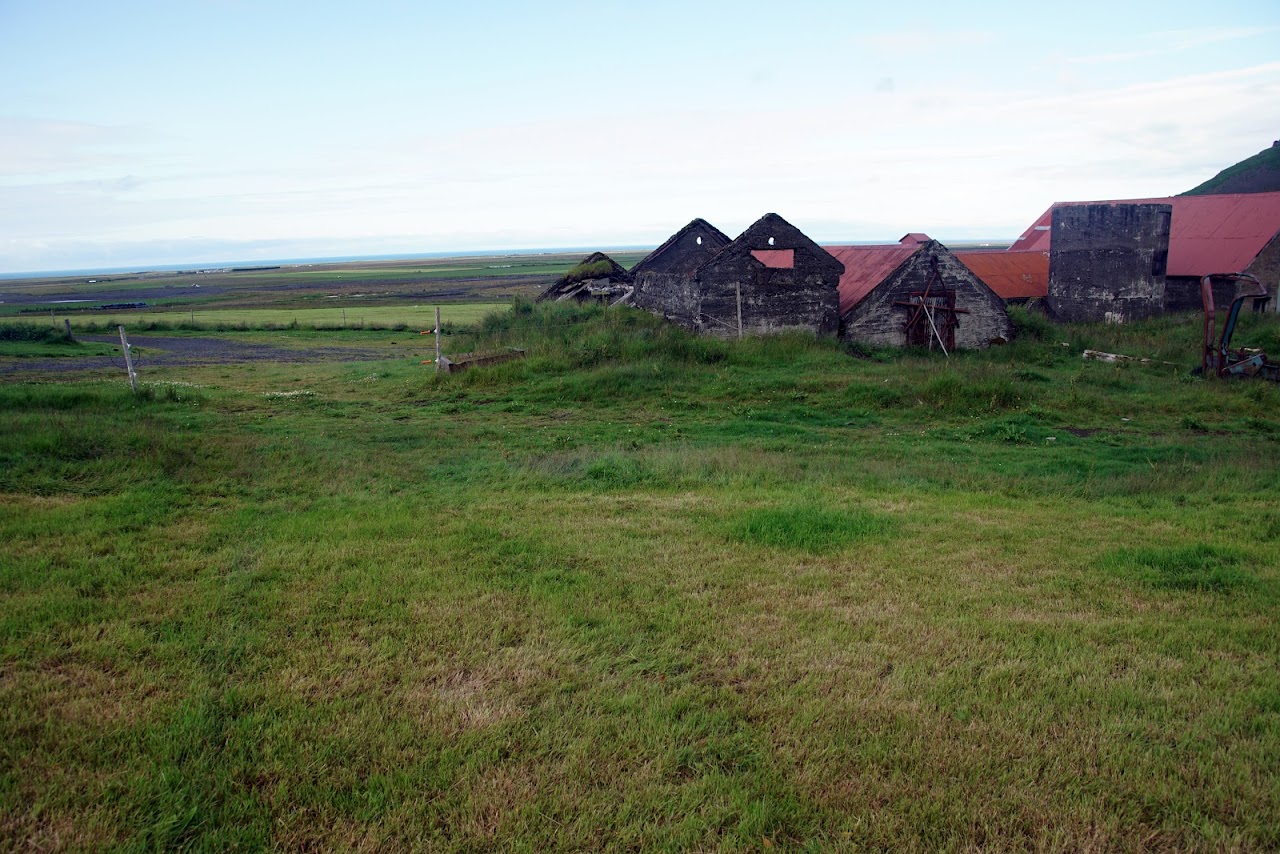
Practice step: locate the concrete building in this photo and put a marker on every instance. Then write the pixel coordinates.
(1227, 233)
(1107, 261)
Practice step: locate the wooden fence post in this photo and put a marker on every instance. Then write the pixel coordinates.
(737, 288)
(128, 361)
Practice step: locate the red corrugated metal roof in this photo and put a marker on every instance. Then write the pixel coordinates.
(867, 266)
(778, 259)
(1208, 234)
(1012, 275)
(914, 237)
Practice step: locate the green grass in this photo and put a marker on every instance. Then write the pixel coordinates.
(1263, 170)
(29, 340)
(591, 270)
(812, 528)
(645, 590)
(1200, 567)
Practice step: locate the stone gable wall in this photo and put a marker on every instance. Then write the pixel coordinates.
(877, 320)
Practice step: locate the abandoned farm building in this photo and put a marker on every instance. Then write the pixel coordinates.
(1227, 233)
(665, 278)
(917, 293)
(596, 278)
(771, 278)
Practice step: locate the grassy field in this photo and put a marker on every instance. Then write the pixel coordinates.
(419, 317)
(494, 278)
(647, 591)
(28, 340)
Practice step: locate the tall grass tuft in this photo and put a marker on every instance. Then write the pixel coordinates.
(969, 392)
(1031, 325)
(32, 333)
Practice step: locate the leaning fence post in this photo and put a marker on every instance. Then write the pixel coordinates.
(437, 339)
(67, 322)
(128, 361)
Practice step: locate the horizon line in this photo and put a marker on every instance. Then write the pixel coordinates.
(224, 265)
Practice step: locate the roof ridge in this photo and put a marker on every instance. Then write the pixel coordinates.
(666, 244)
(812, 244)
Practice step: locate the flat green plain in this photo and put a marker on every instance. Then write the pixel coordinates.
(420, 316)
(647, 591)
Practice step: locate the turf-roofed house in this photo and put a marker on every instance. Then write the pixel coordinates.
(917, 293)
(596, 278)
(771, 278)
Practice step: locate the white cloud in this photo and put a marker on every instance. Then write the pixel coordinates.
(1172, 41)
(33, 147)
(867, 166)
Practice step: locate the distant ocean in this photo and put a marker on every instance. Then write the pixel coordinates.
(405, 256)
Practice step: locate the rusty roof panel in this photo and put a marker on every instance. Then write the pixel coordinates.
(1208, 234)
(867, 266)
(1012, 275)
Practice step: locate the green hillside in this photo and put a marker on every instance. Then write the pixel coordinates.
(1257, 174)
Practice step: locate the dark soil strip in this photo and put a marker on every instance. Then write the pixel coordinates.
(188, 352)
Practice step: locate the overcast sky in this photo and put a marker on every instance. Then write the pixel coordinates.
(136, 133)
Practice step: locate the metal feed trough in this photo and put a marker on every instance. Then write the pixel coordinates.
(463, 361)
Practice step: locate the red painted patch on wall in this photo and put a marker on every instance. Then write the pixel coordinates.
(777, 259)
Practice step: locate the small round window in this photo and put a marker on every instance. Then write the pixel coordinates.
(770, 241)
(699, 241)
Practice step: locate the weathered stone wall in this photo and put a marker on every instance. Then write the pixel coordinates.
(674, 296)
(1182, 293)
(803, 295)
(664, 281)
(773, 300)
(1107, 262)
(1266, 267)
(879, 321)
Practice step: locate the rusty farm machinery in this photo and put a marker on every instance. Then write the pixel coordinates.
(1219, 359)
